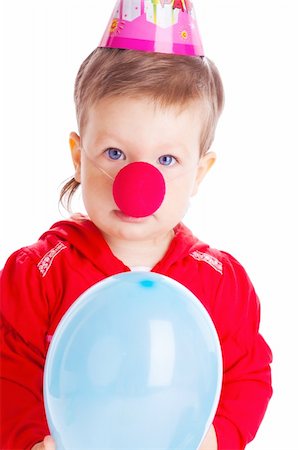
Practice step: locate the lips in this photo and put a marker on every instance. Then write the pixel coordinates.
(129, 219)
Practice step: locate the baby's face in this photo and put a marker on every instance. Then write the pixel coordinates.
(122, 130)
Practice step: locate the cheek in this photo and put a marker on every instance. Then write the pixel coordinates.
(96, 187)
(181, 188)
(178, 194)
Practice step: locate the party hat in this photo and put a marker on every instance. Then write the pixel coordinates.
(164, 26)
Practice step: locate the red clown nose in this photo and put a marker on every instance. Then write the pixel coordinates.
(139, 189)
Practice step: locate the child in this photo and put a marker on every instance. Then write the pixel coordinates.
(160, 109)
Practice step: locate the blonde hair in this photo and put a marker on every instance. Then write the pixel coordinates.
(169, 80)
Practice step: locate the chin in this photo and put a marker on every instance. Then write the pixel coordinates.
(134, 233)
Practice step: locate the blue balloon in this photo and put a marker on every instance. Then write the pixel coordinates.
(135, 364)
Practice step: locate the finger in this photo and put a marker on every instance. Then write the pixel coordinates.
(39, 446)
(49, 443)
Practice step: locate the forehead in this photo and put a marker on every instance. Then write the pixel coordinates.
(140, 117)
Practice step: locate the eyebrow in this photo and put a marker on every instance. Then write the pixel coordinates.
(104, 136)
(123, 142)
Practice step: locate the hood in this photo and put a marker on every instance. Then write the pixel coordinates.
(81, 234)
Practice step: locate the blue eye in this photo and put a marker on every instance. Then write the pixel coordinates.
(167, 160)
(115, 154)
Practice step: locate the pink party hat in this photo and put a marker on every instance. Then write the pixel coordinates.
(164, 26)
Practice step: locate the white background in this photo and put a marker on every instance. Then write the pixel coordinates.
(247, 206)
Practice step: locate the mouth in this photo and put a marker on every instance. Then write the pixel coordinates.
(124, 218)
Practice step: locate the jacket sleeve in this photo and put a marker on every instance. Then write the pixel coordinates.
(24, 319)
(246, 388)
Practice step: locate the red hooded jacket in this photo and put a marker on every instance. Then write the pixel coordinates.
(40, 282)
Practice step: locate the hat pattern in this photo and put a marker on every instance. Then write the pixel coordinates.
(166, 26)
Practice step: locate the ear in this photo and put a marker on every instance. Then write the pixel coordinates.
(205, 163)
(75, 146)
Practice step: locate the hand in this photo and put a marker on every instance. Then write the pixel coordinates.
(47, 444)
(210, 441)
